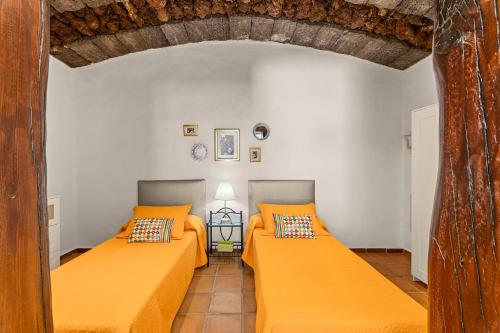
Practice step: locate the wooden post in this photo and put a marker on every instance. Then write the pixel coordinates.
(464, 281)
(24, 269)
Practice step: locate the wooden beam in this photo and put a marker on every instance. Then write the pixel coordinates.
(382, 51)
(327, 37)
(68, 56)
(283, 30)
(197, 31)
(176, 33)
(304, 34)
(67, 5)
(97, 3)
(240, 27)
(262, 28)
(110, 45)
(464, 271)
(88, 50)
(218, 28)
(372, 47)
(25, 304)
(431, 14)
(357, 2)
(415, 7)
(153, 37)
(351, 42)
(132, 39)
(76, 20)
(387, 4)
(410, 58)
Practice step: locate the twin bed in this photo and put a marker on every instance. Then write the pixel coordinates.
(119, 287)
(302, 285)
(319, 286)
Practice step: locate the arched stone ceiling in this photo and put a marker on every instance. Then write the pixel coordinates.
(395, 33)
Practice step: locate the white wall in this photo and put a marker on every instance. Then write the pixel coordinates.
(61, 149)
(418, 90)
(333, 118)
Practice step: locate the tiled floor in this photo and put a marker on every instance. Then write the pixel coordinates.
(221, 297)
(397, 268)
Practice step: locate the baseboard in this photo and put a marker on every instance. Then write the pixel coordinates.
(73, 252)
(379, 250)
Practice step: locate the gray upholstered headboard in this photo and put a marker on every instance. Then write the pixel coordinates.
(172, 193)
(279, 192)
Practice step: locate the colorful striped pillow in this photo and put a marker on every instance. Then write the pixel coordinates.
(151, 230)
(294, 226)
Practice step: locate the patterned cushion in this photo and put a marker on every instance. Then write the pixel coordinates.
(151, 230)
(294, 226)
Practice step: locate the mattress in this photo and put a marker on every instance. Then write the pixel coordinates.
(119, 287)
(318, 286)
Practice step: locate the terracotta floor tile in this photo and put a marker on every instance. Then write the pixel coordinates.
(421, 298)
(248, 282)
(198, 302)
(247, 269)
(203, 271)
(223, 302)
(201, 284)
(399, 269)
(235, 269)
(225, 260)
(399, 258)
(249, 304)
(249, 323)
(386, 258)
(228, 283)
(223, 323)
(381, 268)
(375, 258)
(405, 284)
(422, 287)
(191, 323)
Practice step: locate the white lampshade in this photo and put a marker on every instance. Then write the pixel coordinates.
(224, 192)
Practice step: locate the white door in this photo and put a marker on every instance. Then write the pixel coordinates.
(424, 173)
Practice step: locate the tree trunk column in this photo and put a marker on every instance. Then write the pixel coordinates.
(464, 259)
(24, 269)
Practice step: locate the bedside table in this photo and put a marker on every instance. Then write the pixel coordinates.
(226, 231)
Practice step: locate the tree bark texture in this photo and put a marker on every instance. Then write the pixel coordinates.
(464, 281)
(24, 269)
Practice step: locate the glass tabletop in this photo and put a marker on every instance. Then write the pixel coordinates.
(217, 223)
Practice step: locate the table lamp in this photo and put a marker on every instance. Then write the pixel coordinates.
(225, 192)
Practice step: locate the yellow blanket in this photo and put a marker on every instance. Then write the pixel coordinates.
(125, 288)
(320, 286)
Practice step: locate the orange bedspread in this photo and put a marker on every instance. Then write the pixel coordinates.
(318, 286)
(124, 288)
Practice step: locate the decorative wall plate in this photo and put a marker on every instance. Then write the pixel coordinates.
(199, 152)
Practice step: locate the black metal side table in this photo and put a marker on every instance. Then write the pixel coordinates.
(226, 231)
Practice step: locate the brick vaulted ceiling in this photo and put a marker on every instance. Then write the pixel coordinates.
(395, 33)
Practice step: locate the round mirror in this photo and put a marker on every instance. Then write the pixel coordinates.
(261, 131)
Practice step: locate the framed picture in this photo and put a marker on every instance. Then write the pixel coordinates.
(255, 155)
(227, 144)
(190, 130)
